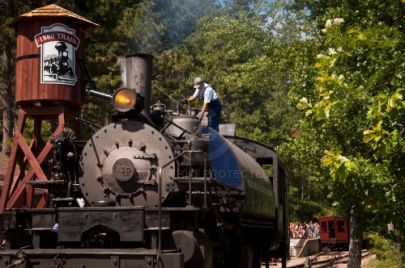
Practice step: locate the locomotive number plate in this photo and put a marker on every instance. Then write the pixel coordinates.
(123, 169)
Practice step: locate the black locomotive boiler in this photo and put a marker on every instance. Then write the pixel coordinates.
(155, 188)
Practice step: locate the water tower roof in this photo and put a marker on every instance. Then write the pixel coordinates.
(52, 11)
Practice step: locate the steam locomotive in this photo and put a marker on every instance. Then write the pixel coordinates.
(155, 188)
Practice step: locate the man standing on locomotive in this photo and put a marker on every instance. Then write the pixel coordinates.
(210, 102)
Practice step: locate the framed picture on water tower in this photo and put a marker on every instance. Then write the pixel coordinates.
(58, 45)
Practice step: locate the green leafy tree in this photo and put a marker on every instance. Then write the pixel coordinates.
(247, 64)
(356, 116)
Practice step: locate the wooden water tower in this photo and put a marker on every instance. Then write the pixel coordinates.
(49, 86)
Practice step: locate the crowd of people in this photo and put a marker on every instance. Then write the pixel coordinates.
(308, 230)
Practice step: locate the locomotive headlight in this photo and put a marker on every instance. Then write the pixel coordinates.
(124, 99)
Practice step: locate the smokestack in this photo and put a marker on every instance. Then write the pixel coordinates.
(139, 76)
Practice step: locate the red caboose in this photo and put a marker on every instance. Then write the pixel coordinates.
(334, 232)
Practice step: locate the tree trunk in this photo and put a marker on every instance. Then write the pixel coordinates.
(355, 241)
(309, 190)
(6, 86)
(302, 189)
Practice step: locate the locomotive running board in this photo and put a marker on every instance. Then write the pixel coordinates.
(70, 223)
(91, 258)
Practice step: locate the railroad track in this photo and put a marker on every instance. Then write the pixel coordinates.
(330, 259)
(333, 259)
(322, 260)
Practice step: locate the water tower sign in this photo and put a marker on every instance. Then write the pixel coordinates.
(58, 45)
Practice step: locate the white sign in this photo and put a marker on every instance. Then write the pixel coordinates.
(58, 45)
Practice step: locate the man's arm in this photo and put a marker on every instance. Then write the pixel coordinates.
(191, 98)
(207, 99)
(194, 96)
(204, 108)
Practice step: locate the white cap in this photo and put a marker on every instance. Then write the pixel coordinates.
(197, 82)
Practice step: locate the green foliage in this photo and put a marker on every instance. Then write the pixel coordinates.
(238, 55)
(46, 130)
(308, 178)
(174, 70)
(388, 253)
(155, 26)
(304, 210)
(138, 26)
(360, 89)
(354, 12)
(357, 112)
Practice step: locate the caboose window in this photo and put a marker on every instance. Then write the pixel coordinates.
(340, 226)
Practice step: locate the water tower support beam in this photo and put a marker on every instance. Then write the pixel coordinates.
(16, 190)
